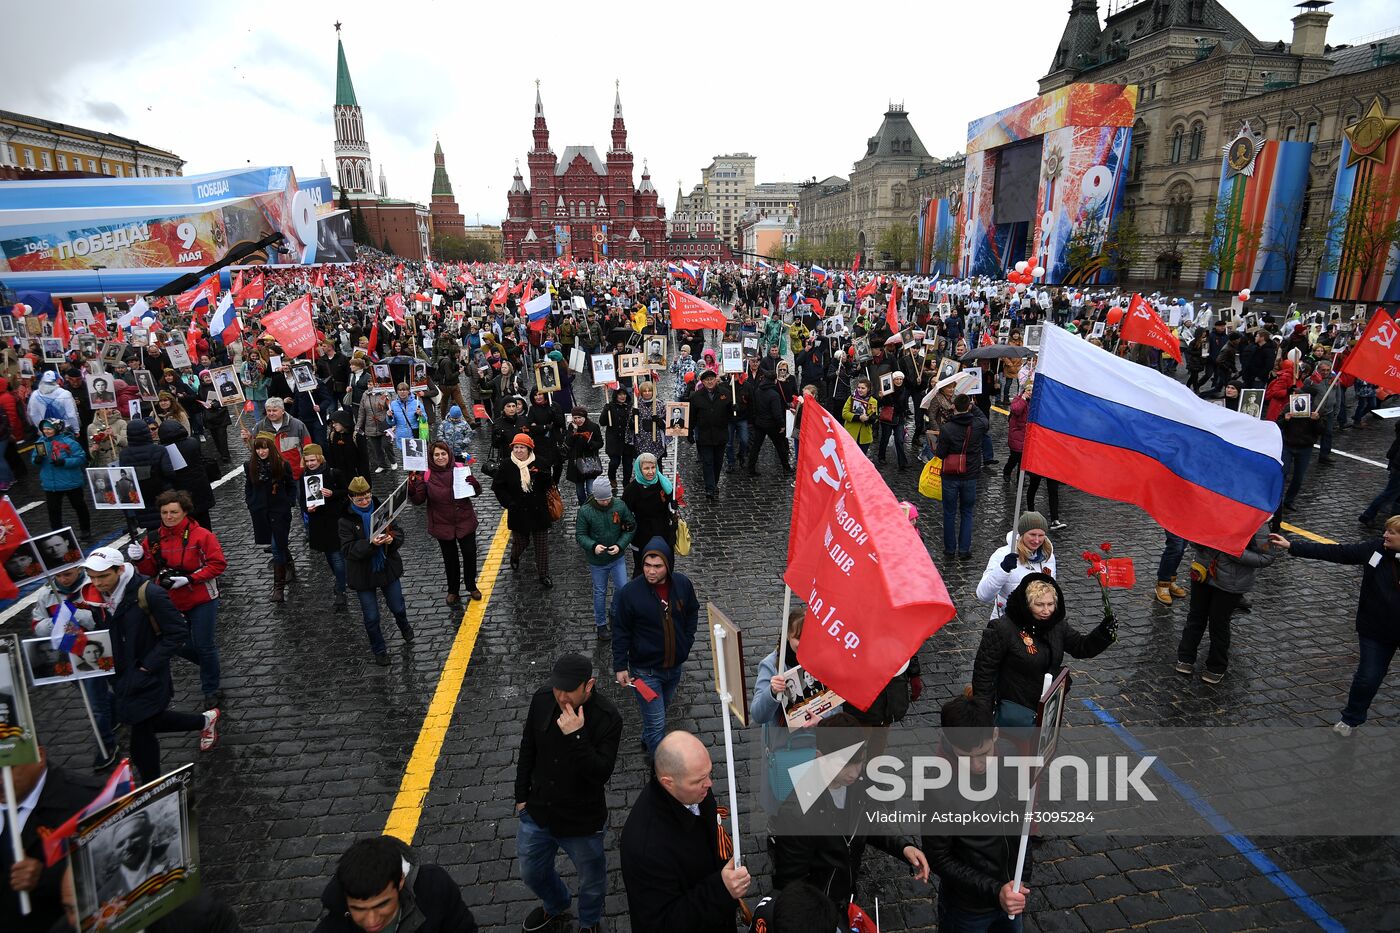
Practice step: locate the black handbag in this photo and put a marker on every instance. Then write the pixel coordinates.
(588, 467)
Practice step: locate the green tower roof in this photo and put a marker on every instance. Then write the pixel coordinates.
(344, 90)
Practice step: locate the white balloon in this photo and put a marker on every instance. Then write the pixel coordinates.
(1021, 266)
(1038, 271)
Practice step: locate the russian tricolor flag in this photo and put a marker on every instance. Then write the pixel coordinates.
(223, 323)
(1122, 431)
(819, 272)
(537, 310)
(681, 271)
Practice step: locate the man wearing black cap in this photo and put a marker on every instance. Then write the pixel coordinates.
(711, 409)
(567, 755)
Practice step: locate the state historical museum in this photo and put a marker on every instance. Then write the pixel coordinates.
(580, 206)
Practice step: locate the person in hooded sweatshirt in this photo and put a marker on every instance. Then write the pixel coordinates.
(381, 886)
(52, 400)
(146, 457)
(1027, 550)
(654, 621)
(184, 469)
(1029, 641)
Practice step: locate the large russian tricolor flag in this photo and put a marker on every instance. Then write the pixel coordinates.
(1122, 431)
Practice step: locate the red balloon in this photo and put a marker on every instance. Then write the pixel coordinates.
(1115, 314)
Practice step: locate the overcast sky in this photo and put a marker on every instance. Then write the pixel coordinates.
(799, 85)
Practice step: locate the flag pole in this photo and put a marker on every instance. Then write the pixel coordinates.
(17, 850)
(783, 640)
(724, 701)
(92, 720)
(1332, 385)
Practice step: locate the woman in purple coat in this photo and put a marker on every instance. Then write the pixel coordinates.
(451, 520)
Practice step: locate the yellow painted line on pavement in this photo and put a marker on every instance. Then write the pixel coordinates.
(1001, 411)
(418, 775)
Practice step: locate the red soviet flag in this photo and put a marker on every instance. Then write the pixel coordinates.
(691, 313)
(393, 303)
(892, 310)
(1376, 357)
(873, 595)
(1144, 326)
(291, 327)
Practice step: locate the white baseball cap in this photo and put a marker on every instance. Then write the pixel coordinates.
(103, 558)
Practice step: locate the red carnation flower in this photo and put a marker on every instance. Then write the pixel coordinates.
(1106, 546)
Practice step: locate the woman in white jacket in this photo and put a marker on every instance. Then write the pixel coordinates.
(1027, 550)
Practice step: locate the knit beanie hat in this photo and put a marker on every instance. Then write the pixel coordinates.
(602, 488)
(1029, 521)
(524, 439)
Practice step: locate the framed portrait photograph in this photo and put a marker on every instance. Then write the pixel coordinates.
(886, 384)
(179, 355)
(630, 364)
(654, 348)
(418, 376)
(750, 344)
(413, 454)
(227, 385)
(547, 376)
(113, 351)
(58, 550)
(7, 325)
(805, 699)
(314, 487)
(381, 377)
(1050, 715)
(1031, 336)
(728, 654)
(303, 377)
(87, 345)
(860, 348)
(1252, 402)
(604, 368)
(1097, 332)
(102, 391)
(89, 655)
(114, 487)
(145, 385)
(1300, 406)
(137, 859)
(52, 349)
(23, 563)
(677, 419)
(731, 358)
(970, 381)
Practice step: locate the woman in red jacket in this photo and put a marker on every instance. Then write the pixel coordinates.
(185, 559)
(451, 520)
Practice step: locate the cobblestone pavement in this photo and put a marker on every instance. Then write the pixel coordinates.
(317, 737)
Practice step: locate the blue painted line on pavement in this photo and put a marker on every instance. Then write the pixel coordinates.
(1220, 824)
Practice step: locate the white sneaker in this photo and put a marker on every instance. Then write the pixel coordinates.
(1343, 730)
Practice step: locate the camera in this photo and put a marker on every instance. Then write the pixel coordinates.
(165, 576)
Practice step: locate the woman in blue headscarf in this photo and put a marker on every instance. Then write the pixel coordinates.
(651, 498)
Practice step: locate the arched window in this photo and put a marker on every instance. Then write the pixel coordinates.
(621, 208)
(571, 208)
(1198, 140)
(544, 208)
(1178, 137)
(1179, 209)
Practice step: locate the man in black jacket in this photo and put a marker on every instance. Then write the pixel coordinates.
(567, 755)
(379, 884)
(46, 796)
(769, 421)
(147, 631)
(677, 877)
(975, 872)
(961, 437)
(711, 408)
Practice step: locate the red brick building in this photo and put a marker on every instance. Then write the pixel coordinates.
(447, 219)
(581, 206)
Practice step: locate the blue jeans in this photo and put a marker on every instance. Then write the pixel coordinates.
(1171, 557)
(1375, 661)
(1391, 491)
(953, 919)
(369, 605)
(664, 681)
(203, 647)
(100, 698)
(536, 846)
(617, 573)
(581, 492)
(988, 451)
(336, 560)
(739, 430)
(959, 497)
(280, 527)
(1296, 460)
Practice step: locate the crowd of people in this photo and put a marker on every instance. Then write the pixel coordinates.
(486, 397)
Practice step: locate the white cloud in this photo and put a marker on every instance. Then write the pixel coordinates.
(801, 86)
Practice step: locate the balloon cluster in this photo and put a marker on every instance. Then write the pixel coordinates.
(1024, 274)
